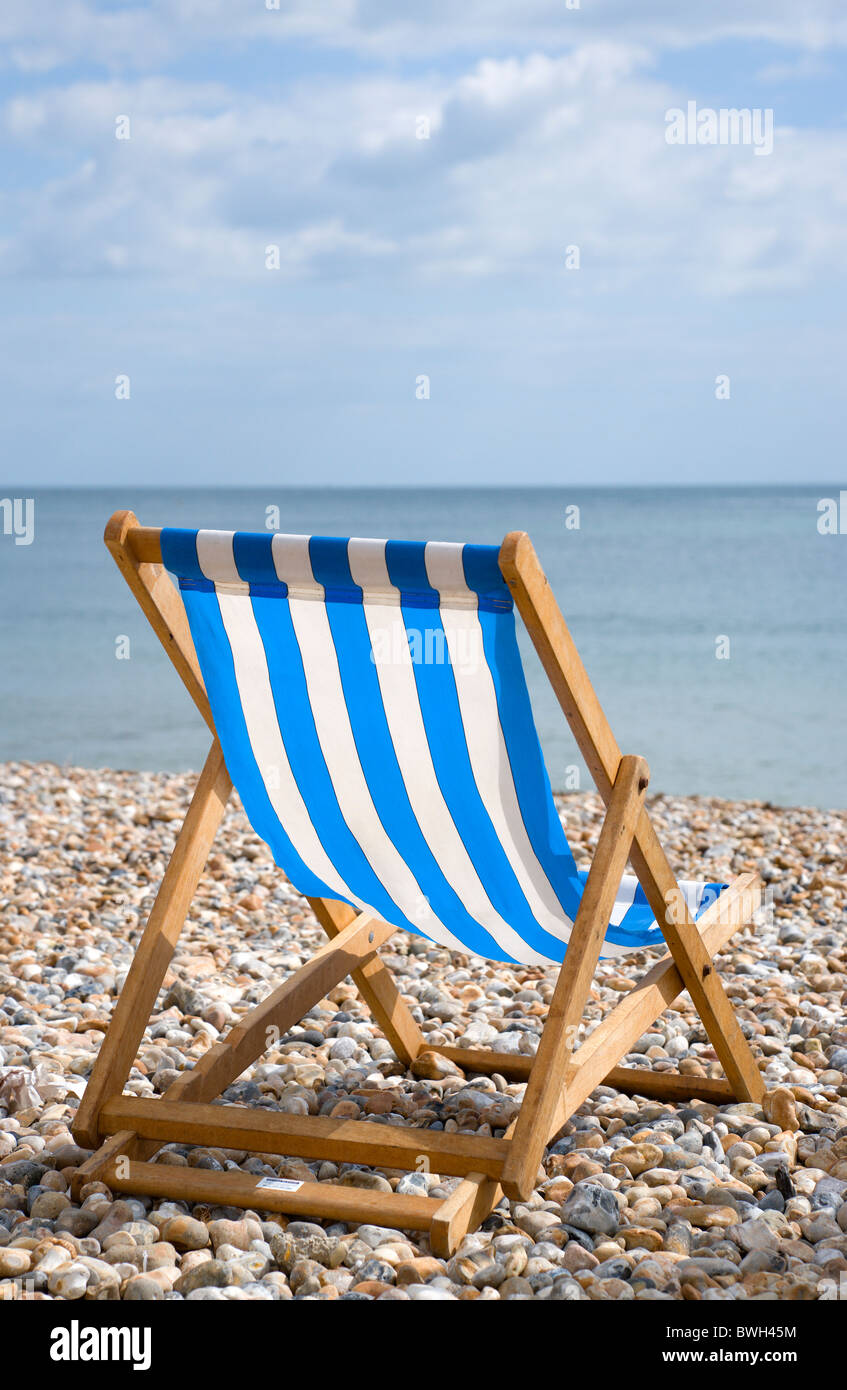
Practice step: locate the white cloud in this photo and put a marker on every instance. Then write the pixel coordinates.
(526, 156)
(297, 128)
(135, 36)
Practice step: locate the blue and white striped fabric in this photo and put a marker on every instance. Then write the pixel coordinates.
(372, 708)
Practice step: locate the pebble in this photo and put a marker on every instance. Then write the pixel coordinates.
(48, 1205)
(779, 1107)
(71, 1281)
(635, 1200)
(593, 1209)
(13, 1263)
(186, 1233)
(142, 1289)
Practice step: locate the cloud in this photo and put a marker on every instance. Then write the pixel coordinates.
(135, 37)
(525, 157)
(300, 129)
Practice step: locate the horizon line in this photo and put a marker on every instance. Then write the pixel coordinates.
(812, 484)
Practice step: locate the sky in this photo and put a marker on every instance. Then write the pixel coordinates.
(421, 174)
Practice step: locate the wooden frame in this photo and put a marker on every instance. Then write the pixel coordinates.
(126, 1131)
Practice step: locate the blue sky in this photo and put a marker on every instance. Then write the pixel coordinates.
(401, 257)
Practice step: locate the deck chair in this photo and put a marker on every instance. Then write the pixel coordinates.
(368, 701)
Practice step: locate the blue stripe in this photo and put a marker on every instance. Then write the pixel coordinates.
(529, 772)
(299, 735)
(483, 574)
(638, 925)
(254, 561)
(439, 702)
(379, 761)
(331, 567)
(406, 565)
(179, 552)
(216, 664)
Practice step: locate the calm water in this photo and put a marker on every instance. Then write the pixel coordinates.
(648, 582)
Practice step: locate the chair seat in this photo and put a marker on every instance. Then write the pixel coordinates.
(374, 715)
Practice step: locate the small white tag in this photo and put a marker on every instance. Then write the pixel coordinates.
(280, 1184)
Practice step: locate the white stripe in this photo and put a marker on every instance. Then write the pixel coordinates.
(293, 566)
(395, 673)
(216, 559)
(623, 901)
(257, 704)
(692, 891)
(487, 747)
(446, 573)
(332, 723)
(370, 571)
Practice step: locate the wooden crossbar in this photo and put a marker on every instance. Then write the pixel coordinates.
(326, 1201)
(633, 1081)
(558, 1079)
(363, 1142)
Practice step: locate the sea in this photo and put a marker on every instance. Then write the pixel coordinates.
(712, 622)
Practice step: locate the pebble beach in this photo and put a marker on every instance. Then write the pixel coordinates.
(636, 1199)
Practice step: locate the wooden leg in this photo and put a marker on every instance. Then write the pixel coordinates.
(543, 1093)
(569, 679)
(446, 1221)
(462, 1211)
(374, 983)
(155, 951)
(695, 964)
